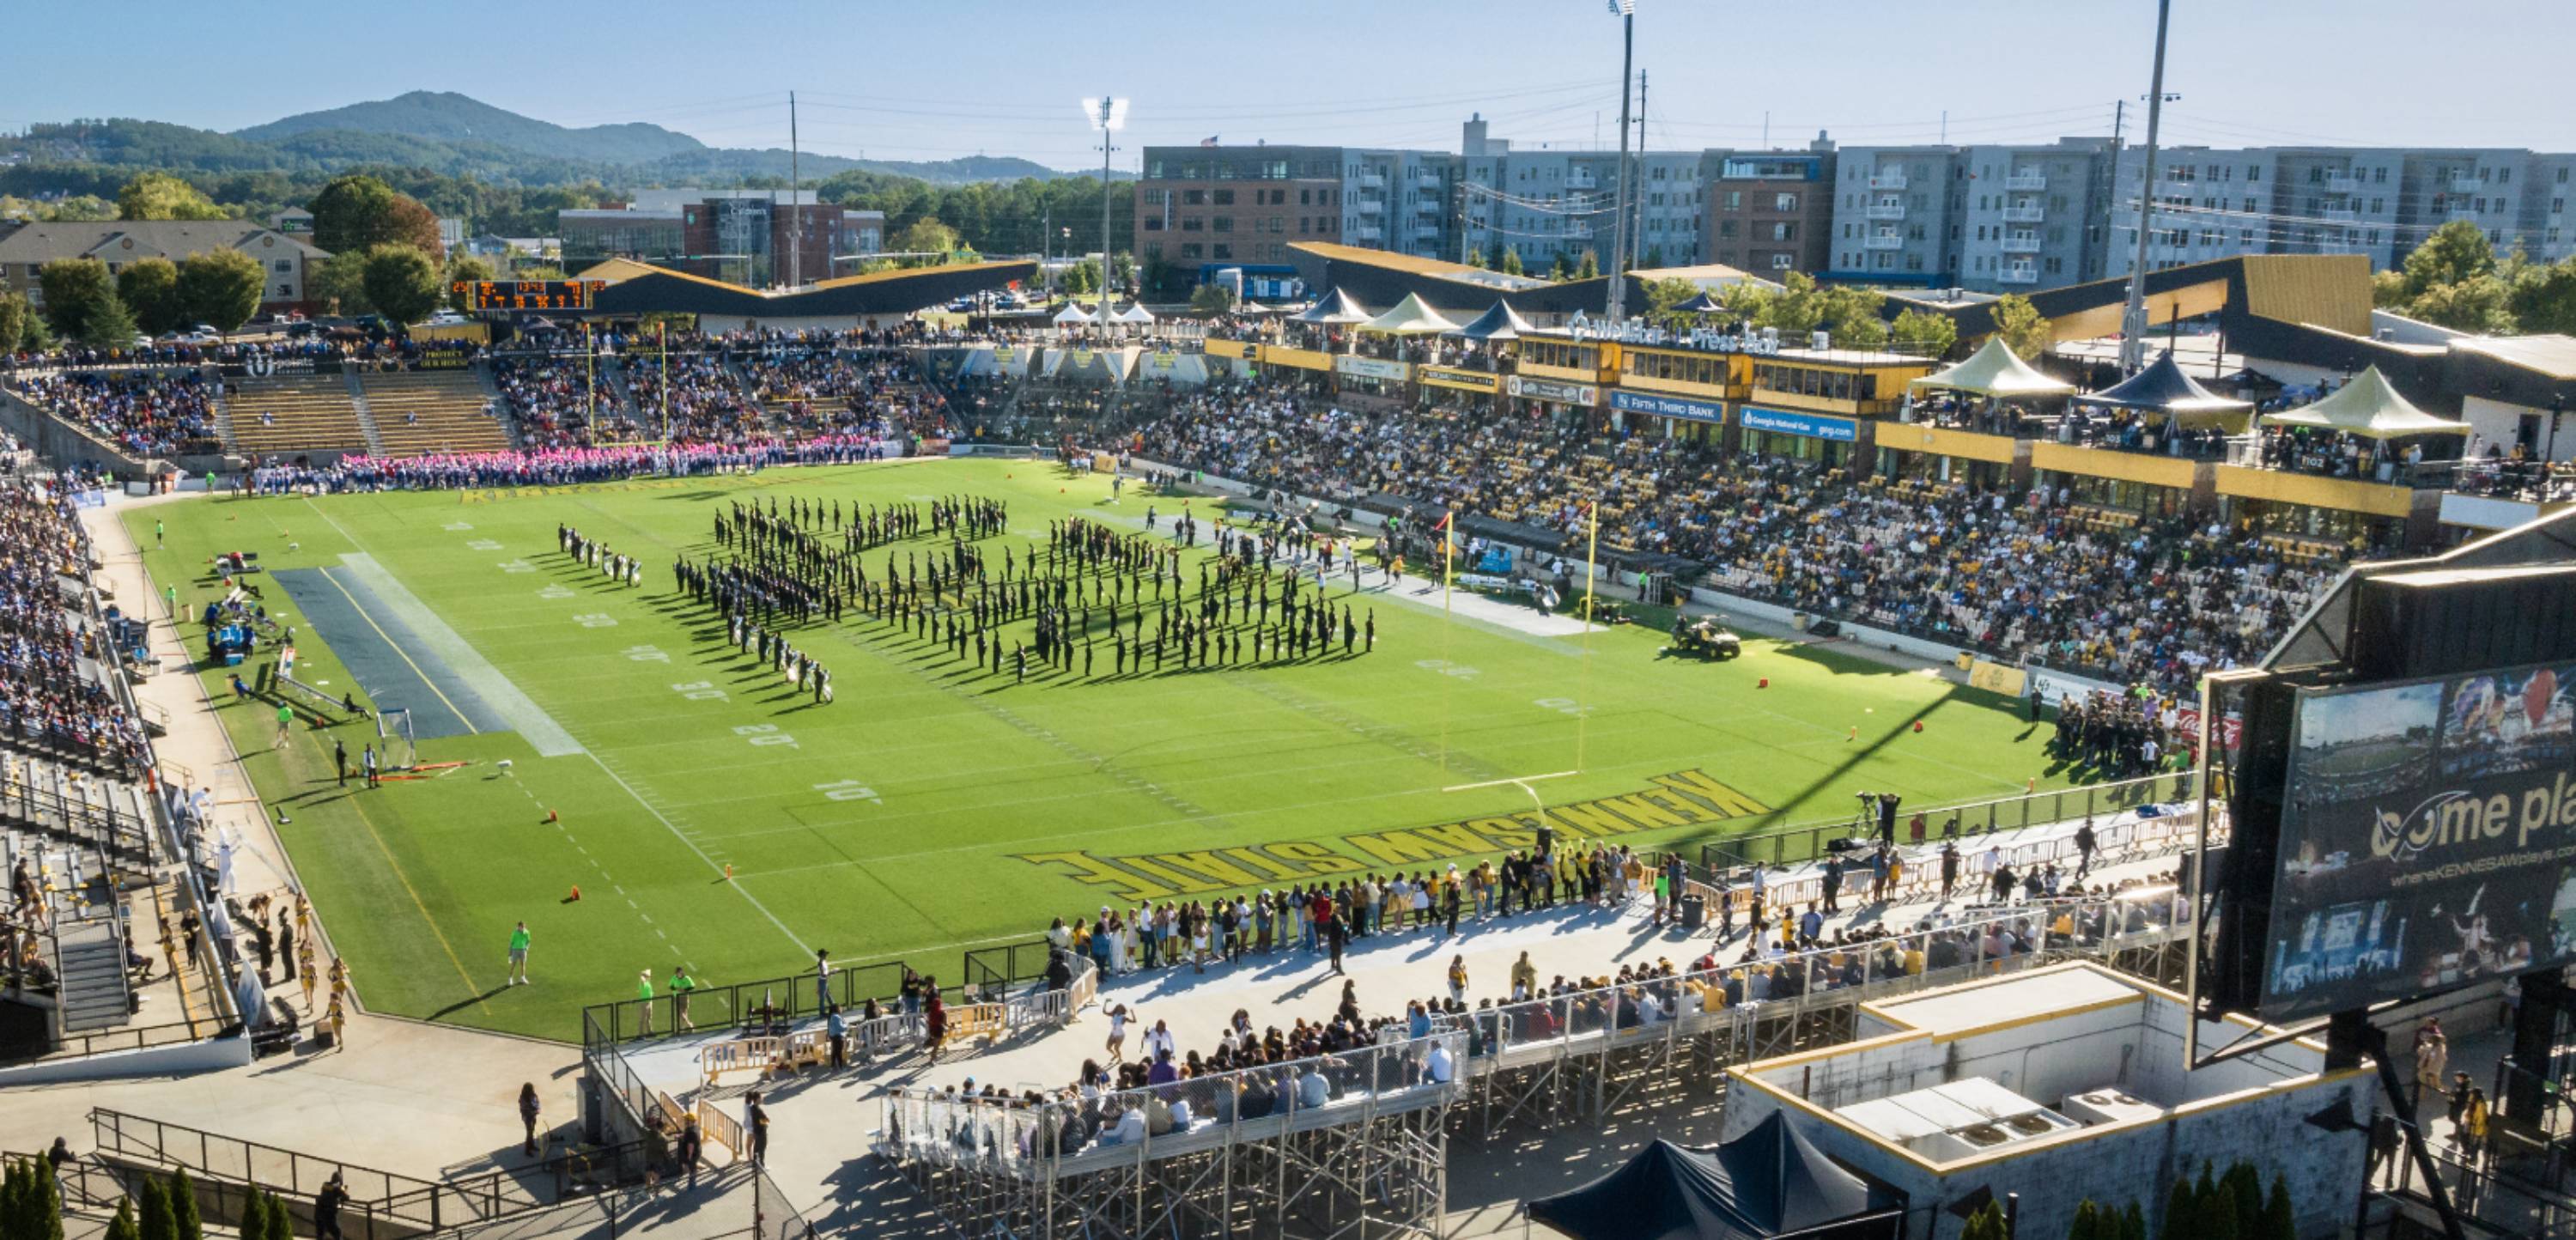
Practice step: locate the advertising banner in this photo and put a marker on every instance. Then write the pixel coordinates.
(1667, 406)
(1370, 367)
(1997, 678)
(1839, 430)
(2428, 840)
(1551, 389)
(1463, 380)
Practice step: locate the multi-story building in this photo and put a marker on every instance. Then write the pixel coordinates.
(744, 235)
(2378, 201)
(26, 247)
(1769, 211)
(1556, 204)
(1203, 208)
(1989, 218)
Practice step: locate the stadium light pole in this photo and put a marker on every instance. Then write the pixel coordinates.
(2133, 316)
(1523, 783)
(1618, 304)
(1107, 115)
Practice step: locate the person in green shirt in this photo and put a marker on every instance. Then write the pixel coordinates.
(519, 955)
(157, 540)
(644, 992)
(681, 985)
(285, 727)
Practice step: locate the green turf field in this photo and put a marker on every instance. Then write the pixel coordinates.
(933, 806)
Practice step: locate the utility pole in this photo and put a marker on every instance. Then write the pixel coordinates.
(1107, 115)
(2133, 317)
(795, 191)
(1618, 306)
(1637, 235)
(2111, 213)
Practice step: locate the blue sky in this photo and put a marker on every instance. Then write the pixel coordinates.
(931, 80)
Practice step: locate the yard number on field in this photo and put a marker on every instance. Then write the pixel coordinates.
(765, 734)
(517, 566)
(556, 591)
(1446, 668)
(645, 654)
(595, 620)
(483, 544)
(457, 527)
(849, 790)
(699, 691)
(1562, 706)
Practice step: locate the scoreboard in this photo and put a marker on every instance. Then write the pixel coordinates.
(527, 294)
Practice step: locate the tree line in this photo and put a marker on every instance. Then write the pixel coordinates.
(2457, 280)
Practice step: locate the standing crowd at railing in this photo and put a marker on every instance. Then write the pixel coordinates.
(140, 412)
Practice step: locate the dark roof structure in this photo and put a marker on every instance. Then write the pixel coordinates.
(1499, 323)
(2163, 388)
(660, 291)
(1768, 1182)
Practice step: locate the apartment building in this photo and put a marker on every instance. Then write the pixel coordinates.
(2379, 201)
(26, 247)
(1992, 218)
(1769, 211)
(742, 235)
(1552, 204)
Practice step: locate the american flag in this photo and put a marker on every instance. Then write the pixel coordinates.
(1209, 140)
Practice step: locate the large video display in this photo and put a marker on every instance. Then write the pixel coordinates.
(2428, 839)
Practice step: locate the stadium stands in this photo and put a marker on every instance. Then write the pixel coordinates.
(294, 413)
(432, 411)
(142, 412)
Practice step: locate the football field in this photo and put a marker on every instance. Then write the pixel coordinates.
(936, 804)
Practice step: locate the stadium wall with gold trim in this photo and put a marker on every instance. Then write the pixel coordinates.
(641, 288)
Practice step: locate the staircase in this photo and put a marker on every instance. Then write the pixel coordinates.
(91, 960)
(366, 416)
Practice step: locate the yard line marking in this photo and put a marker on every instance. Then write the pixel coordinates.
(399, 652)
(712, 863)
(418, 903)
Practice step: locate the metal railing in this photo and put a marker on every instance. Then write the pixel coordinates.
(382, 1205)
(1807, 841)
(1018, 1139)
(767, 1001)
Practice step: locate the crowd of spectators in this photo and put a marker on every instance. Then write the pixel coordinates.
(48, 700)
(142, 412)
(553, 405)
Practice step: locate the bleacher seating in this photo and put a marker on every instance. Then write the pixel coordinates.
(431, 411)
(297, 413)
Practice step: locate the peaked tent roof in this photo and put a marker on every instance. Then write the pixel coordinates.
(2369, 407)
(1335, 306)
(1995, 370)
(1768, 1182)
(1072, 313)
(1500, 323)
(2163, 388)
(1134, 313)
(1702, 304)
(1410, 317)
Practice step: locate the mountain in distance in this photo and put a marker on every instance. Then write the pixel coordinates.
(450, 117)
(425, 124)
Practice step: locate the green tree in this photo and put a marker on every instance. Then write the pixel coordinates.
(1798, 308)
(2481, 303)
(160, 196)
(2457, 251)
(2214, 1216)
(1475, 256)
(1661, 298)
(1558, 271)
(1654, 257)
(2544, 299)
(15, 317)
(1212, 299)
(110, 326)
(155, 1218)
(2181, 1206)
(2019, 323)
(1852, 315)
(1924, 332)
(2133, 1222)
(2280, 1222)
(926, 235)
(1986, 1224)
(1511, 261)
(402, 283)
(2087, 1224)
(1589, 268)
(150, 289)
(339, 282)
(123, 1226)
(221, 288)
(183, 1207)
(359, 212)
(2245, 1187)
(463, 269)
(76, 290)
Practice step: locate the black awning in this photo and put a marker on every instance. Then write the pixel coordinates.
(1768, 1182)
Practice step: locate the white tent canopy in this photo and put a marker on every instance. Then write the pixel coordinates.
(1134, 313)
(1072, 313)
(1410, 317)
(1333, 308)
(1995, 371)
(2369, 407)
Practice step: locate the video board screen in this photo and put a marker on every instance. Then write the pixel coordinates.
(527, 294)
(2428, 839)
